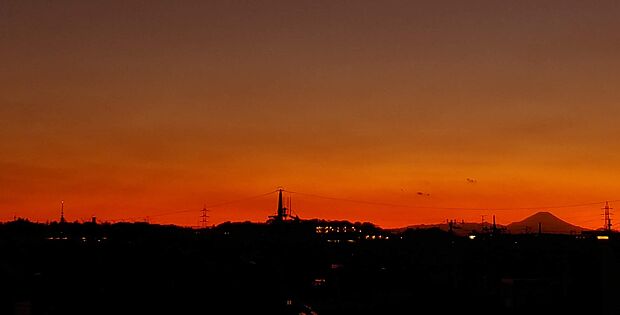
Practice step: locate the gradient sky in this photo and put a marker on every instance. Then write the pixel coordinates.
(127, 109)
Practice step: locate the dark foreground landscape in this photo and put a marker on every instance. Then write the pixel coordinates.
(300, 267)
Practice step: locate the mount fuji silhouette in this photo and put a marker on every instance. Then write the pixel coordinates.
(548, 224)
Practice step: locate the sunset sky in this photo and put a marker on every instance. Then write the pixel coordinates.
(127, 109)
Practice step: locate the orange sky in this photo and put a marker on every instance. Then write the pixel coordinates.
(126, 109)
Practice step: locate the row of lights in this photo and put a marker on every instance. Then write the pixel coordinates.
(598, 237)
(339, 241)
(375, 237)
(83, 238)
(337, 229)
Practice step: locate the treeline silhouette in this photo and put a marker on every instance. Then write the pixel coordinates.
(311, 267)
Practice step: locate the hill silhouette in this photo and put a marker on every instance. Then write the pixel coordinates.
(301, 267)
(458, 228)
(549, 224)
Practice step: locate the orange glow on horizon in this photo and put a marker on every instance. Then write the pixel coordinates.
(128, 110)
(386, 209)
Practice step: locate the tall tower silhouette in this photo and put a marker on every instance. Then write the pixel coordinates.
(203, 217)
(62, 211)
(607, 214)
(281, 214)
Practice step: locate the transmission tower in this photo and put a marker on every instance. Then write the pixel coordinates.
(204, 217)
(607, 214)
(62, 212)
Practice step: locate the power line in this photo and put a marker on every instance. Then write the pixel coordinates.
(447, 208)
(384, 204)
(240, 200)
(215, 205)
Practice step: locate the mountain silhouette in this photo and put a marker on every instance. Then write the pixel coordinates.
(549, 224)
